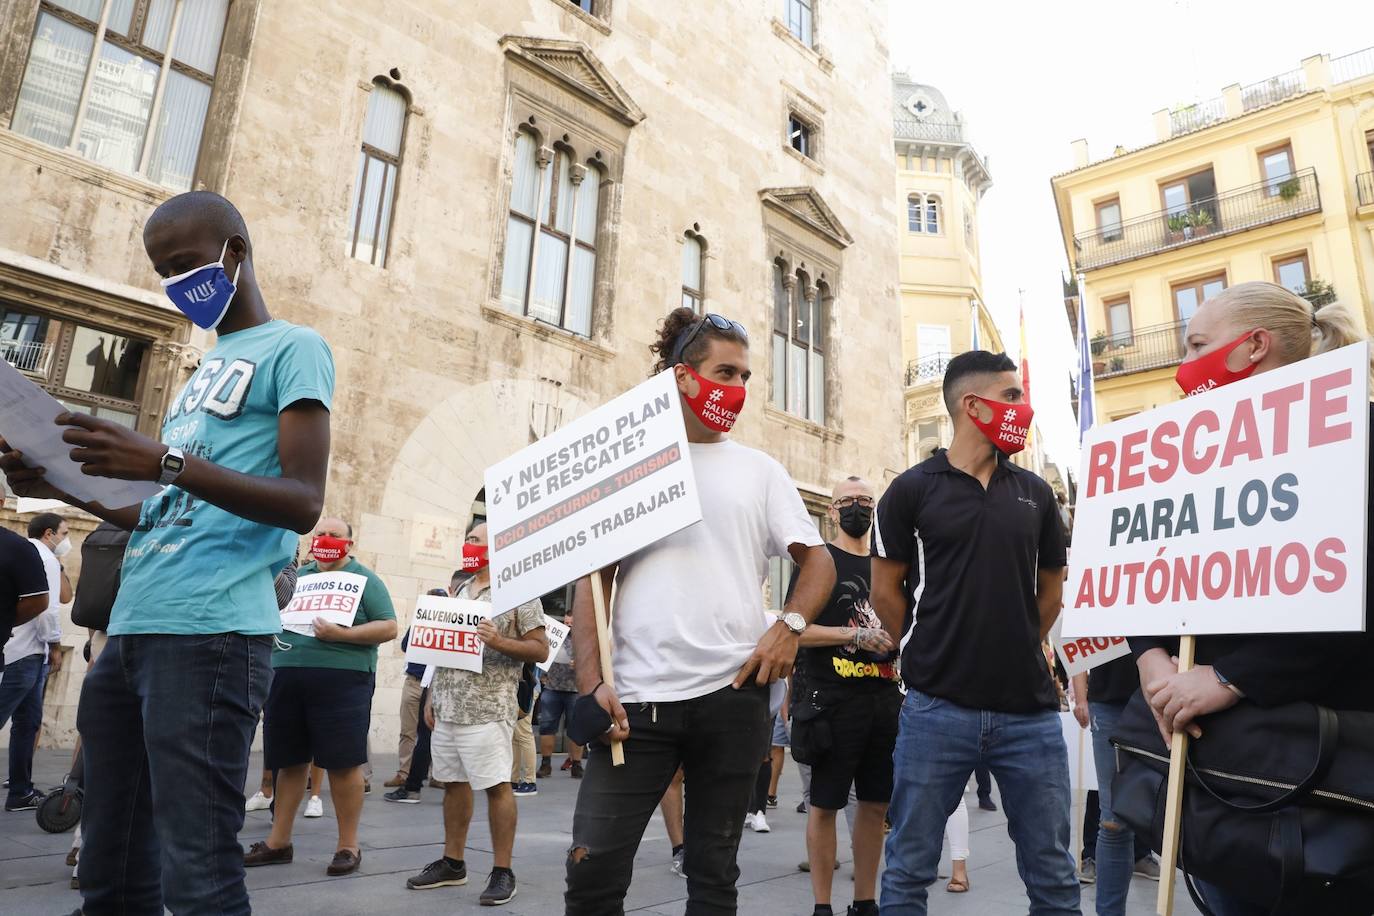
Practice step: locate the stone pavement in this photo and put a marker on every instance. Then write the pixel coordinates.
(399, 839)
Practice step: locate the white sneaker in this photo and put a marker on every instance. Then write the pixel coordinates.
(757, 823)
(258, 802)
(314, 807)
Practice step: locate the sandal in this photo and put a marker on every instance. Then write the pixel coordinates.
(957, 886)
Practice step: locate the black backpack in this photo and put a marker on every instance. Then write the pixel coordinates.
(102, 561)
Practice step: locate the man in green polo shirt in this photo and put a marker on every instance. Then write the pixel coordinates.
(320, 704)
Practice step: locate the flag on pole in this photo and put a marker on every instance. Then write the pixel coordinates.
(1025, 359)
(973, 322)
(1085, 370)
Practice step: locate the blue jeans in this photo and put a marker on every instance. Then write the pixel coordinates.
(1115, 855)
(166, 724)
(21, 699)
(938, 746)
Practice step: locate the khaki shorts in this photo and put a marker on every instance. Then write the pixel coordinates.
(480, 755)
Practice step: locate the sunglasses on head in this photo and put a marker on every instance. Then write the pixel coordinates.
(719, 322)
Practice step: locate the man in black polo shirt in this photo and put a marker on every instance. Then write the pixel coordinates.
(23, 584)
(968, 559)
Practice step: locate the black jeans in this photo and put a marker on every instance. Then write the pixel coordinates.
(718, 740)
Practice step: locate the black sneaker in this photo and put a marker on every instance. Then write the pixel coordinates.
(500, 888)
(25, 802)
(772, 801)
(403, 796)
(439, 874)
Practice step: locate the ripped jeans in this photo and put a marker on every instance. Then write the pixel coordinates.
(718, 740)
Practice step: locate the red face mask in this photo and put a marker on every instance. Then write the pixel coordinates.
(716, 406)
(475, 558)
(328, 549)
(1009, 426)
(1211, 371)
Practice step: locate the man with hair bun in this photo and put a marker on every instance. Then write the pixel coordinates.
(695, 653)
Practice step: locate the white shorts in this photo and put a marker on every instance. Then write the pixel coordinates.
(480, 755)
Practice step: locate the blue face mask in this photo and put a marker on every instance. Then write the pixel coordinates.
(203, 295)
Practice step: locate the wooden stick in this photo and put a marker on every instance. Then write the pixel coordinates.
(1173, 800)
(603, 640)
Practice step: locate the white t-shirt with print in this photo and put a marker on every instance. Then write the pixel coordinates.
(689, 609)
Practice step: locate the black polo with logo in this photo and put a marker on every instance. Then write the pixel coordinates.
(973, 625)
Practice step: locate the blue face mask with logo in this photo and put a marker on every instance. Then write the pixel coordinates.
(203, 295)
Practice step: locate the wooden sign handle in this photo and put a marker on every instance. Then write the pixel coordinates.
(603, 641)
(1173, 799)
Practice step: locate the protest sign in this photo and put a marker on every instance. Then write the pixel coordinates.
(443, 633)
(606, 485)
(1241, 510)
(556, 632)
(1086, 652)
(335, 596)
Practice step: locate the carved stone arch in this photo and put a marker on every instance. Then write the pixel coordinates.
(440, 468)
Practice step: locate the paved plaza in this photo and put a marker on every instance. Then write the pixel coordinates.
(398, 840)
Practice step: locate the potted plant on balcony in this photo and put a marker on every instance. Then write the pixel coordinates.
(1199, 222)
(1179, 228)
(1118, 363)
(1099, 343)
(1289, 189)
(1318, 292)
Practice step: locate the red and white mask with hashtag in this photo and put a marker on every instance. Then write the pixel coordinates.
(716, 406)
(1005, 425)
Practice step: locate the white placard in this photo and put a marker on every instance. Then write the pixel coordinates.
(602, 487)
(1082, 766)
(1241, 510)
(1086, 652)
(556, 632)
(26, 422)
(443, 633)
(335, 596)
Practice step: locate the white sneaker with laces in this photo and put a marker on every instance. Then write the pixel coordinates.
(757, 823)
(314, 807)
(258, 802)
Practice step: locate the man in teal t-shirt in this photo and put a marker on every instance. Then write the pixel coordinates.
(169, 708)
(320, 705)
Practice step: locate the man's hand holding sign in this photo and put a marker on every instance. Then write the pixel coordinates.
(1241, 510)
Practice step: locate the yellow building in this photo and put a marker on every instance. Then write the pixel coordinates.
(1270, 181)
(940, 180)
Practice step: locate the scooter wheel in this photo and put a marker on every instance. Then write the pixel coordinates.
(59, 812)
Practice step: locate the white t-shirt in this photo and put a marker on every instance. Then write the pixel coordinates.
(689, 609)
(33, 637)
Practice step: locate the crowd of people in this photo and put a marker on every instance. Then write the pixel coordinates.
(907, 660)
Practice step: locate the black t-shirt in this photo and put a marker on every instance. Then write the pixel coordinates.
(21, 575)
(848, 607)
(973, 625)
(1113, 682)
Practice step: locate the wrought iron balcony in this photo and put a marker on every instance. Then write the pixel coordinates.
(31, 356)
(1364, 184)
(1139, 351)
(927, 369)
(928, 130)
(1225, 214)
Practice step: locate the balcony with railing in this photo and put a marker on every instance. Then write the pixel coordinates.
(1364, 185)
(928, 130)
(1149, 348)
(1250, 207)
(33, 357)
(927, 369)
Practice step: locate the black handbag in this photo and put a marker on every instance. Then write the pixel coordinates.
(102, 564)
(1278, 806)
(811, 738)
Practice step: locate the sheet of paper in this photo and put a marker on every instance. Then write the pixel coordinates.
(26, 423)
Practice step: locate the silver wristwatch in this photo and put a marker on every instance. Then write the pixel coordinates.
(172, 464)
(794, 621)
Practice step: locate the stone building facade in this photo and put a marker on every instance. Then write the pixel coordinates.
(485, 207)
